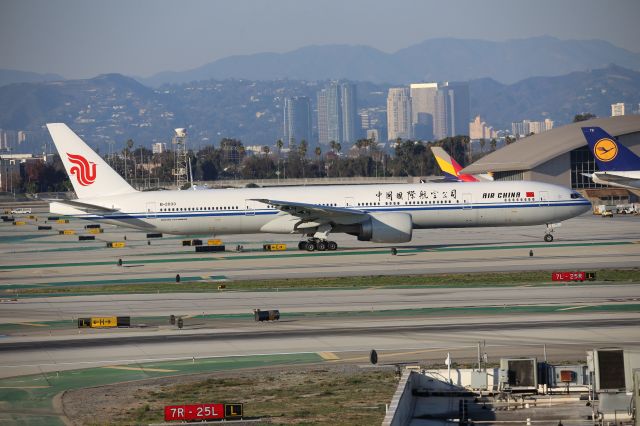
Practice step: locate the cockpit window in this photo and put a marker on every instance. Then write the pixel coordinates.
(575, 195)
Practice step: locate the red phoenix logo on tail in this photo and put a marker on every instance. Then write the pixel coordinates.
(84, 170)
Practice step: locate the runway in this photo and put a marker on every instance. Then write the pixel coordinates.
(40, 335)
(30, 258)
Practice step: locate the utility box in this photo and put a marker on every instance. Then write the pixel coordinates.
(519, 374)
(479, 380)
(567, 375)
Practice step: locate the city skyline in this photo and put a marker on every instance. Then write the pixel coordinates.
(80, 39)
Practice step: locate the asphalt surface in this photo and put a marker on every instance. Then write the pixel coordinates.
(567, 320)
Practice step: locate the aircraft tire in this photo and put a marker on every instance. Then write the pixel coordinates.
(302, 245)
(310, 246)
(548, 238)
(332, 246)
(321, 245)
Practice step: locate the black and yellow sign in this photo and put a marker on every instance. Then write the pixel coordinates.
(605, 149)
(232, 411)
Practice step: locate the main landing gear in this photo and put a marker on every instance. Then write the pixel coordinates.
(313, 244)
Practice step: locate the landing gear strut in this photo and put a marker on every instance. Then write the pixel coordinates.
(313, 244)
(548, 237)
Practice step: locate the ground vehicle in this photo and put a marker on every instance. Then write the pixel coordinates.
(607, 213)
(21, 210)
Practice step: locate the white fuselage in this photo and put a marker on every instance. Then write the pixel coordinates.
(431, 205)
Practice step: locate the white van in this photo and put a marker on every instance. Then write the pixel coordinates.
(21, 210)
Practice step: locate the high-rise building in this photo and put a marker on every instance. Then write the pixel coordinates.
(158, 148)
(297, 120)
(478, 129)
(524, 128)
(423, 109)
(620, 108)
(349, 111)
(452, 110)
(338, 113)
(399, 114)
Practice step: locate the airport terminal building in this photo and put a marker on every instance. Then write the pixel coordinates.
(561, 156)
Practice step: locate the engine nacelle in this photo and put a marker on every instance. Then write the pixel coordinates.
(386, 228)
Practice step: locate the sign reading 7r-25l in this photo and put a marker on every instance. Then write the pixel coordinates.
(202, 412)
(194, 412)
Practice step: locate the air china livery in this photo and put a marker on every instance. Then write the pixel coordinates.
(379, 213)
(451, 169)
(618, 165)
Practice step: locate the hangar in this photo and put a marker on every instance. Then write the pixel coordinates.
(561, 156)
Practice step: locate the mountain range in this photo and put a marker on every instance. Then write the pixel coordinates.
(16, 76)
(437, 59)
(112, 108)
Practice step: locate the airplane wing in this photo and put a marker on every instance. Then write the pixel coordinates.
(86, 207)
(313, 211)
(617, 180)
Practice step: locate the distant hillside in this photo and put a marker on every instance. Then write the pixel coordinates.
(15, 76)
(432, 60)
(112, 108)
(558, 98)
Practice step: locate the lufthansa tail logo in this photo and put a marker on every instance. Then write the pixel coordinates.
(84, 171)
(605, 149)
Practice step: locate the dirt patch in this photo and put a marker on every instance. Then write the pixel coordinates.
(325, 394)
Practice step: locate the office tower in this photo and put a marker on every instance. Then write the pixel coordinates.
(338, 113)
(297, 120)
(452, 110)
(423, 109)
(399, 113)
(349, 111)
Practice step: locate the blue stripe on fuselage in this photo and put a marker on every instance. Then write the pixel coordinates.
(399, 208)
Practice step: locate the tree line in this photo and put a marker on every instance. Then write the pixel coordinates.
(231, 160)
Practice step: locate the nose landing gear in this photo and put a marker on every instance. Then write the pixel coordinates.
(548, 236)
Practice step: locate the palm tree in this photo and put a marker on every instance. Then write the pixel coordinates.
(279, 145)
(318, 152)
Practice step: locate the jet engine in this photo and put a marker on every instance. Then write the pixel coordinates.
(386, 228)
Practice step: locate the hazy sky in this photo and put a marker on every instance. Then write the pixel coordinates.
(83, 38)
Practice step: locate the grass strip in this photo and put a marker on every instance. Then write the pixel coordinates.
(493, 279)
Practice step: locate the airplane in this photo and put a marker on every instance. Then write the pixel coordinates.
(451, 168)
(618, 165)
(382, 213)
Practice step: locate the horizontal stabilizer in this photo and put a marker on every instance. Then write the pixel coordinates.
(86, 207)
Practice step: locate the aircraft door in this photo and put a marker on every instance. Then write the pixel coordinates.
(151, 211)
(466, 201)
(544, 199)
(348, 201)
(248, 208)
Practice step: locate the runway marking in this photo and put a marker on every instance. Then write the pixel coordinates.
(31, 324)
(155, 370)
(329, 356)
(380, 251)
(576, 307)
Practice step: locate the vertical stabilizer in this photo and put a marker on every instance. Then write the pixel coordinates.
(90, 175)
(610, 155)
(450, 167)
